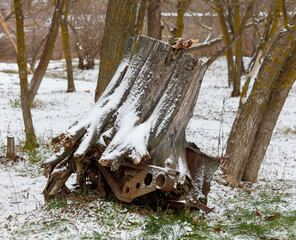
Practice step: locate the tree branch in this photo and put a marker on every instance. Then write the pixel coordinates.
(235, 37)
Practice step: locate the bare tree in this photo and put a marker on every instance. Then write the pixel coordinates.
(22, 65)
(48, 50)
(256, 118)
(226, 38)
(266, 38)
(237, 51)
(87, 25)
(67, 48)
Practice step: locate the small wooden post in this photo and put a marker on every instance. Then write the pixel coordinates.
(10, 147)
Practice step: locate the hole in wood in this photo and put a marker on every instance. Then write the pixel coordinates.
(148, 179)
(160, 181)
(138, 185)
(127, 190)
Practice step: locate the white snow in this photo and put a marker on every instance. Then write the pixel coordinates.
(21, 203)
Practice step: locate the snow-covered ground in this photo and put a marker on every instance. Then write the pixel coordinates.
(22, 212)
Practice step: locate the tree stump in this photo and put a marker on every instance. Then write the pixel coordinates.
(10, 147)
(135, 135)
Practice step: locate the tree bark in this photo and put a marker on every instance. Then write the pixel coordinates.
(140, 17)
(67, 48)
(37, 53)
(226, 39)
(10, 147)
(140, 119)
(268, 35)
(278, 96)
(154, 19)
(47, 52)
(285, 14)
(119, 26)
(22, 65)
(237, 52)
(269, 31)
(181, 9)
(78, 47)
(248, 130)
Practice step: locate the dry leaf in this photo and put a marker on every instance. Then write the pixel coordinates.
(270, 217)
(193, 42)
(258, 213)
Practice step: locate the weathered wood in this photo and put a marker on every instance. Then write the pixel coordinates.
(141, 117)
(10, 147)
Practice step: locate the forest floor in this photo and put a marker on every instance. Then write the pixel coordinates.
(265, 210)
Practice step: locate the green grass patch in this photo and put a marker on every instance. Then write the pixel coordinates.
(16, 103)
(260, 224)
(179, 224)
(289, 130)
(56, 203)
(36, 155)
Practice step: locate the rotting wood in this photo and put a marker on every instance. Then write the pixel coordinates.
(136, 128)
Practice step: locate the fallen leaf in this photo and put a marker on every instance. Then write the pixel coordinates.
(270, 217)
(258, 213)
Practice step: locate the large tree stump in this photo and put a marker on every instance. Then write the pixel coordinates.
(139, 120)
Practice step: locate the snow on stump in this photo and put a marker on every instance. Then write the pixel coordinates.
(133, 140)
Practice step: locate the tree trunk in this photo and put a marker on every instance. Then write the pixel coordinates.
(78, 47)
(37, 53)
(237, 52)
(154, 19)
(226, 39)
(269, 31)
(47, 52)
(181, 9)
(252, 128)
(285, 14)
(67, 48)
(119, 26)
(22, 65)
(140, 17)
(276, 19)
(278, 96)
(139, 121)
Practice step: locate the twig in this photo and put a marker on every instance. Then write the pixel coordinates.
(14, 191)
(220, 139)
(2, 22)
(235, 37)
(7, 31)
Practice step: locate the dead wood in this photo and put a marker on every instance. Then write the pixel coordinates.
(139, 120)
